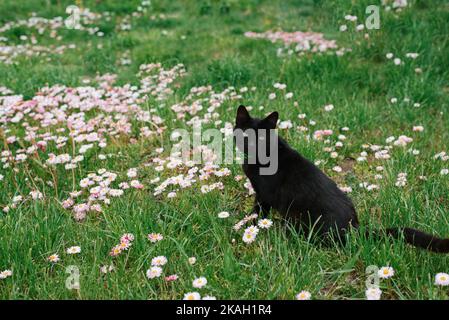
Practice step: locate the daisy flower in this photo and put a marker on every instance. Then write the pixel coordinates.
(136, 184)
(192, 260)
(350, 18)
(67, 203)
(199, 282)
(249, 237)
(303, 295)
(5, 274)
(132, 173)
(385, 272)
(171, 195)
(265, 223)
(442, 279)
(328, 107)
(158, 261)
(115, 251)
(105, 269)
(127, 237)
(154, 272)
(124, 245)
(285, 124)
(346, 189)
(209, 298)
(252, 229)
(74, 250)
(53, 258)
(223, 215)
(155, 237)
(123, 185)
(192, 296)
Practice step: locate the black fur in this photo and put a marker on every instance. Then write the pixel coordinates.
(303, 194)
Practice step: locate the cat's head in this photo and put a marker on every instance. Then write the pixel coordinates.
(256, 137)
(244, 121)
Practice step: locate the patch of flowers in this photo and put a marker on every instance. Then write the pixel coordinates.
(125, 243)
(61, 128)
(298, 42)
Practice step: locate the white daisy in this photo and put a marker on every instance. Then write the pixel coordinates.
(192, 296)
(329, 107)
(303, 295)
(385, 272)
(158, 261)
(74, 250)
(223, 215)
(265, 223)
(155, 237)
(5, 274)
(442, 279)
(53, 258)
(252, 229)
(154, 272)
(199, 282)
(249, 237)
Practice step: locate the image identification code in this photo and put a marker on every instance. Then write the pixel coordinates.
(225, 309)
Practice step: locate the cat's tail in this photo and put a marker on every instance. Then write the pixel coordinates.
(420, 239)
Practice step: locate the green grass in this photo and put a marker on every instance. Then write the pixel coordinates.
(281, 262)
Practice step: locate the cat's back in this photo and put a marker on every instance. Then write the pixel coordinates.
(309, 187)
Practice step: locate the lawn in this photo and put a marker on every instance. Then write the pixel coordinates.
(87, 117)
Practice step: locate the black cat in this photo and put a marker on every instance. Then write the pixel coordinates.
(304, 194)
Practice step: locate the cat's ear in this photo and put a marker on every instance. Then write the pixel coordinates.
(242, 116)
(271, 120)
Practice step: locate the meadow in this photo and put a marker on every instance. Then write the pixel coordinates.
(88, 103)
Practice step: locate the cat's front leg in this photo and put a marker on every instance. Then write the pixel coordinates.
(261, 207)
